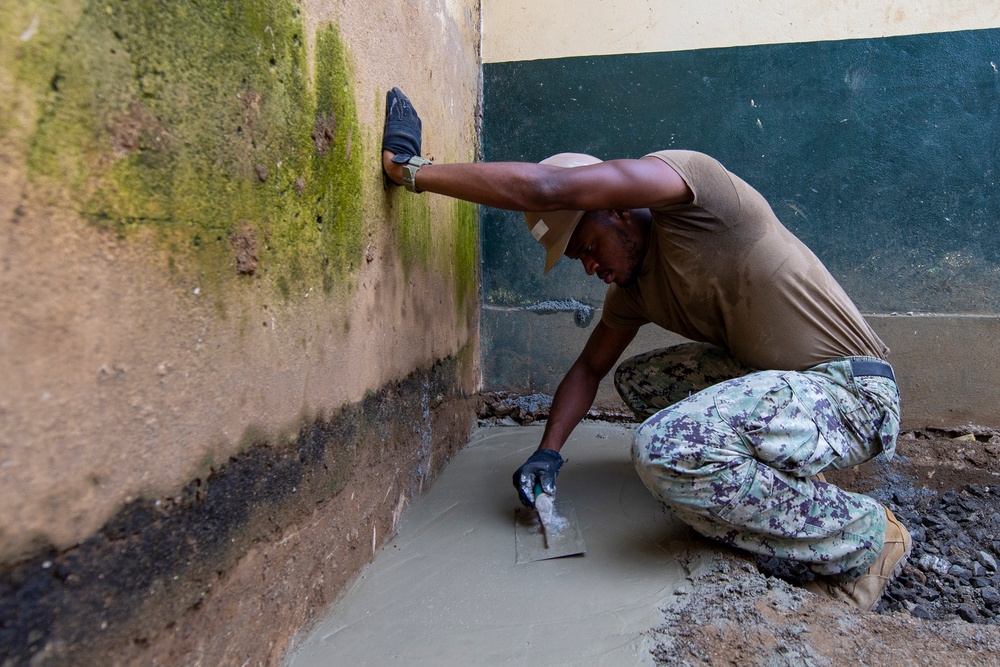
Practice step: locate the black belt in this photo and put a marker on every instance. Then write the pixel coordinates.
(865, 367)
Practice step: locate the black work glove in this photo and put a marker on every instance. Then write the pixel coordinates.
(402, 127)
(541, 468)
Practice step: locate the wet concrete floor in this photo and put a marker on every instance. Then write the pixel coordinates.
(447, 590)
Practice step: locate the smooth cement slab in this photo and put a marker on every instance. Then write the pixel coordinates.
(447, 590)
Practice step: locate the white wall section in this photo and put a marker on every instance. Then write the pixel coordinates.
(520, 30)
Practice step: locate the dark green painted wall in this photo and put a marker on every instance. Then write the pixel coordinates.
(880, 154)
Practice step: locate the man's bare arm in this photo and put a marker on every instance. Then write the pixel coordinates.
(573, 399)
(577, 390)
(526, 186)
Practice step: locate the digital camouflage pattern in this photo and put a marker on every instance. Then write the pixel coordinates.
(654, 380)
(731, 451)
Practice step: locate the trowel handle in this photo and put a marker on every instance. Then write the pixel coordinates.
(547, 501)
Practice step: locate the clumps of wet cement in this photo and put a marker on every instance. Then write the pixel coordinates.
(582, 313)
(502, 408)
(727, 599)
(505, 408)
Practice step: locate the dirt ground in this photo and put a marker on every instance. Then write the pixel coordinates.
(734, 615)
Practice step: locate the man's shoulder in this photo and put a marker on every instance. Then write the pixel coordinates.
(713, 186)
(692, 166)
(679, 156)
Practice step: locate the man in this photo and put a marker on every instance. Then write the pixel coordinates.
(786, 378)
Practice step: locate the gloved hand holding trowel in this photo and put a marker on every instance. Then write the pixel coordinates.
(539, 470)
(555, 525)
(535, 482)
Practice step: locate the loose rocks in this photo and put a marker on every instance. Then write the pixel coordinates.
(952, 571)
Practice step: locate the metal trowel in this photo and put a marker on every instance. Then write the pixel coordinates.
(551, 530)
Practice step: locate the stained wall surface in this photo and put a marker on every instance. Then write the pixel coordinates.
(870, 128)
(220, 334)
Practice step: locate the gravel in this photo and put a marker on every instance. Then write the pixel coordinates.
(952, 572)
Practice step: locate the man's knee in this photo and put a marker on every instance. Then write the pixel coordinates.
(626, 380)
(688, 478)
(689, 457)
(655, 445)
(681, 442)
(653, 380)
(622, 377)
(647, 382)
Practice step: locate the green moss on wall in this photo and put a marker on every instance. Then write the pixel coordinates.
(336, 183)
(414, 232)
(447, 244)
(205, 123)
(466, 256)
(202, 120)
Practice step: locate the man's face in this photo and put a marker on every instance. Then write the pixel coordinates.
(607, 247)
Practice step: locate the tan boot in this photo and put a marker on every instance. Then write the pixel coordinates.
(865, 591)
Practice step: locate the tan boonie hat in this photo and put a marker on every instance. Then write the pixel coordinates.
(554, 228)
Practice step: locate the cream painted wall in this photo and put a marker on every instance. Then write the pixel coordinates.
(520, 30)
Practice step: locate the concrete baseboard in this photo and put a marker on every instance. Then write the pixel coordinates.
(948, 366)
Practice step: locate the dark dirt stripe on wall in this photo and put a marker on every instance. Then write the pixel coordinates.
(165, 572)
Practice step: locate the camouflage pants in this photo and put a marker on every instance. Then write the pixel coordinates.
(731, 450)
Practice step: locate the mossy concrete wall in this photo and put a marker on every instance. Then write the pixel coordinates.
(222, 341)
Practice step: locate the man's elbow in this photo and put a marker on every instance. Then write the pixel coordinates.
(543, 191)
(587, 373)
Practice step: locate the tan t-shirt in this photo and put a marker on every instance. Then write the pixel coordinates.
(724, 270)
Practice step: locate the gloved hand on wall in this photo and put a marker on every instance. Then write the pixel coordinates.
(403, 129)
(541, 468)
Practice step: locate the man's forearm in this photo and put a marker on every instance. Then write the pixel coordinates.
(515, 186)
(571, 403)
